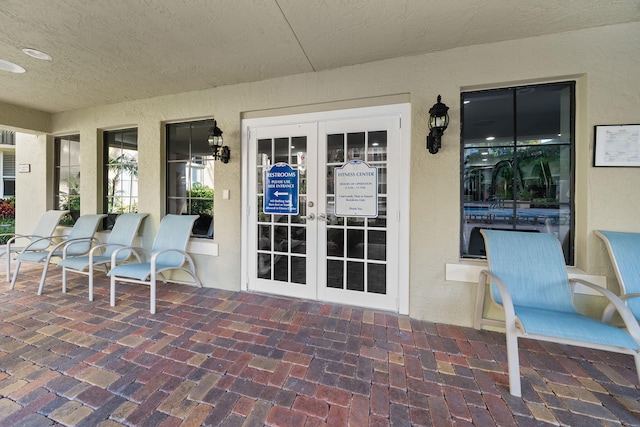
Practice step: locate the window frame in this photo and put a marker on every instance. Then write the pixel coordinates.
(517, 146)
(194, 163)
(134, 196)
(73, 214)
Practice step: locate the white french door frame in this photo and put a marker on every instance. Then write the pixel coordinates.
(403, 153)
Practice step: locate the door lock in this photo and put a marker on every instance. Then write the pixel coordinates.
(310, 204)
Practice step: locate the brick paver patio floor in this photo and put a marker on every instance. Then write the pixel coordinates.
(212, 357)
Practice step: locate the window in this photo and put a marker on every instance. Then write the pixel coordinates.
(7, 137)
(190, 173)
(121, 173)
(8, 174)
(517, 163)
(67, 176)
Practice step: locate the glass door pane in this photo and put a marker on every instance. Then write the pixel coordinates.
(356, 246)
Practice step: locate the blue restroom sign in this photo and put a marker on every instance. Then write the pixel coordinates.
(281, 191)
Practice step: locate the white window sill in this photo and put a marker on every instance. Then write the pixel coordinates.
(202, 247)
(469, 271)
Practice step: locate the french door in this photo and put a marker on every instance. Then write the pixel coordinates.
(317, 251)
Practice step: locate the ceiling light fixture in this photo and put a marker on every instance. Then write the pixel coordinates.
(35, 53)
(11, 67)
(491, 138)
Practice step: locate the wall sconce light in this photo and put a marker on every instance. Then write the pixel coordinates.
(220, 152)
(438, 122)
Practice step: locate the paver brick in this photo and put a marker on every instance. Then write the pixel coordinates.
(216, 357)
(71, 413)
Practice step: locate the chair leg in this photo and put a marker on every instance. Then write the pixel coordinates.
(513, 363)
(8, 255)
(152, 286)
(64, 280)
(113, 291)
(45, 269)
(15, 275)
(90, 282)
(477, 321)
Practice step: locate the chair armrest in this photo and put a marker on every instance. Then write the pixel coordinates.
(629, 320)
(49, 238)
(18, 236)
(155, 255)
(507, 302)
(70, 242)
(94, 249)
(135, 250)
(629, 296)
(607, 314)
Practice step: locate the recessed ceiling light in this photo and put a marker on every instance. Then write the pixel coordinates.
(491, 138)
(375, 144)
(35, 53)
(11, 67)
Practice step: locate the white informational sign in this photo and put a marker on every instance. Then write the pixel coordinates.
(356, 187)
(617, 145)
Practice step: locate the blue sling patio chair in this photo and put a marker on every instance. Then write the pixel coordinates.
(529, 280)
(624, 251)
(167, 253)
(45, 228)
(77, 243)
(122, 235)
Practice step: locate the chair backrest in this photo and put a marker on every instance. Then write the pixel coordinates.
(123, 233)
(46, 227)
(174, 233)
(532, 267)
(624, 251)
(84, 228)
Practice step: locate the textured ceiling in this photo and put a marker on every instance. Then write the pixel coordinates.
(111, 51)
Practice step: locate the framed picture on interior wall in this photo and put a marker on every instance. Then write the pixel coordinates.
(617, 145)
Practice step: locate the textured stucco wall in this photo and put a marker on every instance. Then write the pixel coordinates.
(20, 118)
(605, 61)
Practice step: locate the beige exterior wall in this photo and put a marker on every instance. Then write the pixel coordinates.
(605, 61)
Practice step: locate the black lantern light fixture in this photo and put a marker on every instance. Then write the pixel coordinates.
(438, 122)
(220, 152)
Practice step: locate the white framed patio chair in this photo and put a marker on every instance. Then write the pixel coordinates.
(624, 251)
(122, 235)
(529, 280)
(46, 227)
(167, 253)
(77, 243)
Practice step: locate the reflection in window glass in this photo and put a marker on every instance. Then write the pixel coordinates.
(120, 172)
(517, 155)
(190, 166)
(67, 176)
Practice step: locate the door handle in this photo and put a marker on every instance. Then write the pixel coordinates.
(322, 217)
(311, 217)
